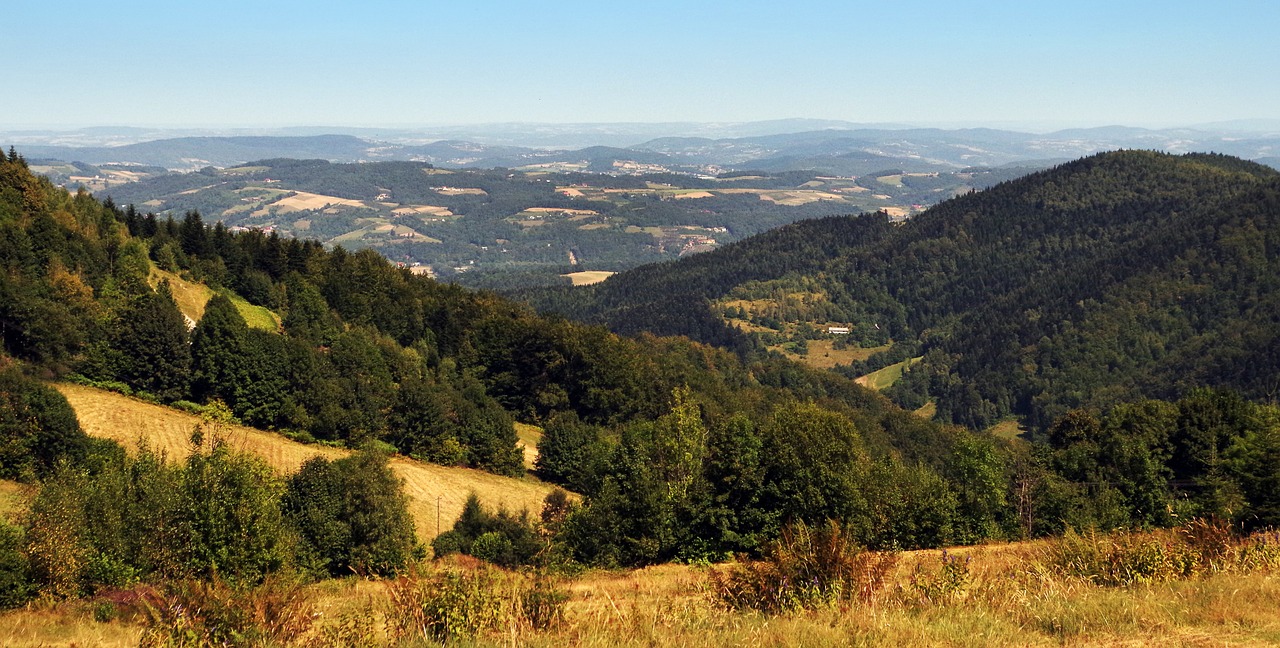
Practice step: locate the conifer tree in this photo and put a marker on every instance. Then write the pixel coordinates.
(152, 336)
(218, 352)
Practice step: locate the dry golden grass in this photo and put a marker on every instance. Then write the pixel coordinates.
(303, 200)
(530, 436)
(823, 354)
(588, 277)
(1008, 430)
(190, 297)
(1007, 600)
(422, 209)
(126, 420)
(66, 624)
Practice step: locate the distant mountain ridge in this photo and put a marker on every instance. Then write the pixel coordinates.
(834, 147)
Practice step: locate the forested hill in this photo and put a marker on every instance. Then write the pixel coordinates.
(1117, 276)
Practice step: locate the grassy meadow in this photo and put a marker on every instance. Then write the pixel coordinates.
(1007, 596)
(884, 378)
(192, 297)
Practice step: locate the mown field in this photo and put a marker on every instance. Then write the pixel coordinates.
(434, 491)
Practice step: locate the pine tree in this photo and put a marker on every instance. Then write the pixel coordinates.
(218, 352)
(152, 335)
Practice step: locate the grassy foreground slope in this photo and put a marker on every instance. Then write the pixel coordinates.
(129, 421)
(1004, 598)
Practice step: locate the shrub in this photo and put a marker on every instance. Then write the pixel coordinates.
(805, 568)
(16, 586)
(38, 428)
(350, 515)
(454, 603)
(501, 538)
(940, 585)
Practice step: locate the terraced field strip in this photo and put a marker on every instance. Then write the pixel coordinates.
(436, 493)
(884, 378)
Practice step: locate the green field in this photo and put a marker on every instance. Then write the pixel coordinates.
(884, 378)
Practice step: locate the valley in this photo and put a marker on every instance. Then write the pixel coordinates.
(528, 225)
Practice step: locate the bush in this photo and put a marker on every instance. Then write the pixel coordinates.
(454, 604)
(501, 538)
(939, 585)
(38, 428)
(806, 568)
(16, 586)
(350, 515)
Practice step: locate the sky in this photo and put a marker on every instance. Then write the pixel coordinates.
(384, 63)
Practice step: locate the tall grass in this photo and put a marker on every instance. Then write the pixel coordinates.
(1196, 585)
(1128, 558)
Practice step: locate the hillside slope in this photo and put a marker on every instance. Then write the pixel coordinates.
(129, 422)
(1115, 277)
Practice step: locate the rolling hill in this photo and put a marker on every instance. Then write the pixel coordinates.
(1115, 277)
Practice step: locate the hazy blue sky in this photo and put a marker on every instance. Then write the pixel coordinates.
(379, 63)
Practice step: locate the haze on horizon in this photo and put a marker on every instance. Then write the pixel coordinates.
(387, 63)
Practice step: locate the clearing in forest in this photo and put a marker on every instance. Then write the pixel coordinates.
(588, 277)
(884, 378)
(192, 297)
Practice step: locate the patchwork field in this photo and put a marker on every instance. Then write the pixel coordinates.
(301, 201)
(437, 493)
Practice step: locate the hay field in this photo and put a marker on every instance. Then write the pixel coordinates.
(588, 277)
(823, 354)
(303, 200)
(430, 210)
(126, 420)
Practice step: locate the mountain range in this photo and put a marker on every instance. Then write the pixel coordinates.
(825, 146)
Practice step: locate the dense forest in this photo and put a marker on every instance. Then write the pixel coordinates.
(679, 449)
(1113, 278)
